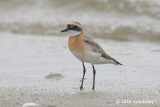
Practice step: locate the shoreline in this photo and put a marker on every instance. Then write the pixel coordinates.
(41, 70)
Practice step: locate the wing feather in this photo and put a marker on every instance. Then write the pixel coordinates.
(97, 48)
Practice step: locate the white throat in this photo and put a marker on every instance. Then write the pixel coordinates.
(74, 33)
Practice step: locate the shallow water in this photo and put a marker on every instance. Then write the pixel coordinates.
(26, 61)
(122, 20)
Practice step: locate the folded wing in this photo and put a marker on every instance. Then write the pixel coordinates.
(96, 48)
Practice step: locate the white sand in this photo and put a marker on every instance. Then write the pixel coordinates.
(26, 61)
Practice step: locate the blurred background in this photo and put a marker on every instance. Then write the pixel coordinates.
(122, 20)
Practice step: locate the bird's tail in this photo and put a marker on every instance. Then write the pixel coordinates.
(116, 62)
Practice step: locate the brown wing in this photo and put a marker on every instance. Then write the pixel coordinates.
(98, 49)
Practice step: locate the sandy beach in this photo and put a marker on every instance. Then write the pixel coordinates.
(41, 69)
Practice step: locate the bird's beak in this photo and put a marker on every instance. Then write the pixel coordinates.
(65, 30)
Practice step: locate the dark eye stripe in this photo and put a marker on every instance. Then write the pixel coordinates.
(78, 29)
(73, 27)
(69, 26)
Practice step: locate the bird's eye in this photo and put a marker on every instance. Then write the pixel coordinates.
(75, 27)
(69, 26)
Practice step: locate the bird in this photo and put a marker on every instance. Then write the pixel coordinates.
(86, 49)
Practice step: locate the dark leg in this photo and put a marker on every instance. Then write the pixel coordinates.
(94, 73)
(84, 71)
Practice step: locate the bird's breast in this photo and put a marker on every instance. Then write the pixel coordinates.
(77, 44)
(77, 47)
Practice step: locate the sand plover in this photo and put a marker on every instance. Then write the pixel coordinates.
(86, 49)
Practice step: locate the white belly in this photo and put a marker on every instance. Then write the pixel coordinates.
(91, 57)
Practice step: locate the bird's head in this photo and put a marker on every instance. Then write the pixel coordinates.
(74, 28)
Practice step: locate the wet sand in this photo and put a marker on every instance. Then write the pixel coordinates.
(41, 69)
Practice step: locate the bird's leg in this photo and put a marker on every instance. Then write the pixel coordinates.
(84, 71)
(94, 73)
